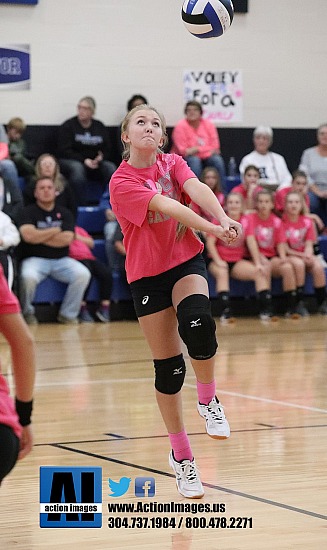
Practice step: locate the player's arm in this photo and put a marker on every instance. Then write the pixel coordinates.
(187, 217)
(202, 195)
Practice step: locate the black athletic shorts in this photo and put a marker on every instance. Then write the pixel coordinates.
(9, 448)
(153, 294)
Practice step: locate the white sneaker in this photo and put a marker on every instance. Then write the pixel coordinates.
(216, 422)
(187, 479)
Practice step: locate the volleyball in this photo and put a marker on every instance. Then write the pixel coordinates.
(207, 18)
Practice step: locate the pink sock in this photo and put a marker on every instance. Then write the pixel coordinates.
(181, 446)
(206, 391)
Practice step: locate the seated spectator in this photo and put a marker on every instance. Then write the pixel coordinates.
(135, 100)
(17, 147)
(48, 167)
(111, 223)
(227, 260)
(264, 241)
(299, 237)
(11, 198)
(272, 166)
(249, 186)
(117, 253)
(80, 249)
(7, 167)
(84, 150)
(210, 176)
(16, 435)
(47, 230)
(197, 140)
(314, 164)
(9, 238)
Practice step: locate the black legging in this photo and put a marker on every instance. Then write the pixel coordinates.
(9, 448)
(102, 274)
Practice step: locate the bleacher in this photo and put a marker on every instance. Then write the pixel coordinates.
(92, 219)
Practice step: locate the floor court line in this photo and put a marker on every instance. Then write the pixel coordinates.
(210, 485)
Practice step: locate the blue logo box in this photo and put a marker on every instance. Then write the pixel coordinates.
(70, 497)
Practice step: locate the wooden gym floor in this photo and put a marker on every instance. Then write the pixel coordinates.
(95, 406)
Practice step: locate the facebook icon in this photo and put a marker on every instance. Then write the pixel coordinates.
(145, 486)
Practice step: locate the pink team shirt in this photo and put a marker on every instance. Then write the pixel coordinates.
(150, 237)
(297, 233)
(241, 189)
(205, 137)
(280, 197)
(8, 415)
(237, 250)
(79, 250)
(268, 233)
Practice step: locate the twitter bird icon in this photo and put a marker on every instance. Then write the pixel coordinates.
(119, 488)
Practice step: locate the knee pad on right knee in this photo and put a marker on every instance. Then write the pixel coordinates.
(169, 374)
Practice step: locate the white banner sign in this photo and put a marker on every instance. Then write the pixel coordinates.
(219, 92)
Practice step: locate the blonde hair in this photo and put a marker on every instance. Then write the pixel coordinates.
(302, 211)
(126, 121)
(57, 177)
(18, 124)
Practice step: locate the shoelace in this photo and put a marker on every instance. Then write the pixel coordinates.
(189, 471)
(216, 415)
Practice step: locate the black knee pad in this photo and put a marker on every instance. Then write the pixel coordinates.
(197, 327)
(170, 374)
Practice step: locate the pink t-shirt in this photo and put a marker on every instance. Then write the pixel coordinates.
(241, 189)
(79, 250)
(267, 233)
(297, 233)
(8, 415)
(198, 210)
(205, 137)
(237, 250)
(150, 237)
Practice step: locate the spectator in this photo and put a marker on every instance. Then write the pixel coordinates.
(17, 147)
(249, 186)
(227, 260)
(264, 241)
(11, 198)
(272, 166)
(314, 164)
(47, 231)
(83, 150)
(299, 237)
(7, 167)
(197, 140)
(47, 166)
(111, 223)
(9, 238)
(16, 435)
(117, 253)
(135, 100)
(80, 249)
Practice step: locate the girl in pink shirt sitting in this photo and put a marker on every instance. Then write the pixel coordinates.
(167, 277)
(299, 237)
(264, 238)
(228, 261)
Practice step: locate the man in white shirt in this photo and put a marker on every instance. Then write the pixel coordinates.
(272, 166)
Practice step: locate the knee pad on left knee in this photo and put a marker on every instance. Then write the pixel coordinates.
(197, 327)
(170, 374)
